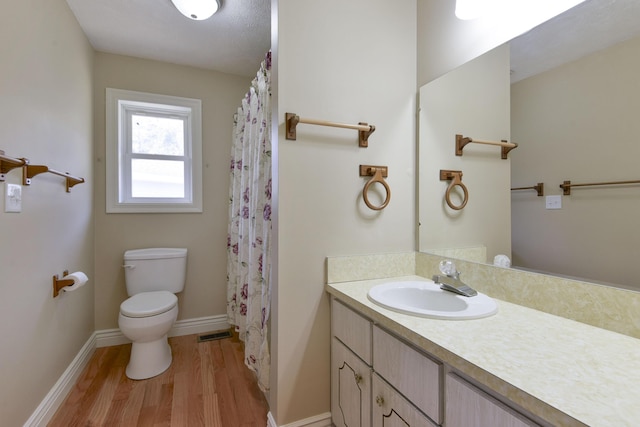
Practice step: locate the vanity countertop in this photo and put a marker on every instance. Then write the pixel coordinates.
(566, 372)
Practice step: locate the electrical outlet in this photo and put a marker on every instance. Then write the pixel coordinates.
(553, 202)
(12, 198)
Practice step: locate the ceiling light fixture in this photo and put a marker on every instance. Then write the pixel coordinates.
(198, 10)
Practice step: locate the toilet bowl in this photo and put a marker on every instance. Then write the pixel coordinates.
(145, 319)
(152, 277)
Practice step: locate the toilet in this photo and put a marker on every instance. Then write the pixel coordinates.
(153, 276)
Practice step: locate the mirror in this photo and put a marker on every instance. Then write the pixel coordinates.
(574, 98)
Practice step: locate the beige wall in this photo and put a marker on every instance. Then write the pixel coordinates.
(204, 234)
(578, 122)
(472, 100)
(346, 62)
(46, 110)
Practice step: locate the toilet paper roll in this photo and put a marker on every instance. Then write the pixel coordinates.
(79, 279)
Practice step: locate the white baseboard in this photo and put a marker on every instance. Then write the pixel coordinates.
(104, 338)
(52, 401)
(199, 325)
(322, 420)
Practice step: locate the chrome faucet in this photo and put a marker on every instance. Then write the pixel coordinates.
(450, 280)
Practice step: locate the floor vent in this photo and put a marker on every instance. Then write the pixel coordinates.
(214, 336)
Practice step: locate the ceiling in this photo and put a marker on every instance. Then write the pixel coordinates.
(586, 28)
(234, 40)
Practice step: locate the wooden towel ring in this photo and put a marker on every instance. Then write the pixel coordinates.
(378, 176)
(456, 180)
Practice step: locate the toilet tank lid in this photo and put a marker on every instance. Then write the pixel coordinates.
(155, 253)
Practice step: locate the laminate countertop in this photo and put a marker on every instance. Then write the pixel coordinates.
(565, 372)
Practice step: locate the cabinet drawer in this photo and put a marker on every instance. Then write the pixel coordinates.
(391, 409)
(410, 372)
(352, 329)
(350, 388)
(468, 406)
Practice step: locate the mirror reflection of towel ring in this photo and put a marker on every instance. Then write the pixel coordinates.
(456, 180)
(377, 177)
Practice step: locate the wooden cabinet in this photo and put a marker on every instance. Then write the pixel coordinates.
(350, 388)
(391, 409)
(413, 374)
(468, 406)
(379, 380)
(352, 329)
(357, 350)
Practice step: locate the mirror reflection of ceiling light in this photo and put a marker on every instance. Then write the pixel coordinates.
(198, 10)
(468, 9)
(511, 9)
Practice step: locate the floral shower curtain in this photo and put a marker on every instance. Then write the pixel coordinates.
(249, 233)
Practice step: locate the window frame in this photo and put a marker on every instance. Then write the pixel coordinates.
(120, 105)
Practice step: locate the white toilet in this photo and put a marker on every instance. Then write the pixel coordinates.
(153, 277)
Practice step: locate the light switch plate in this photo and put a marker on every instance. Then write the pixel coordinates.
(553, 202)
(12, 197)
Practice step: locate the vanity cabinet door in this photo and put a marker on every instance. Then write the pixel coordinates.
(410, 372)
(468, 406)
(390, 409)
(350, 388)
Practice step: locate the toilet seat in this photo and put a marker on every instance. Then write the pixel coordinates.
(147, 304)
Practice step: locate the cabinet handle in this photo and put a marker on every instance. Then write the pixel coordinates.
(358, 378)
(379, 400)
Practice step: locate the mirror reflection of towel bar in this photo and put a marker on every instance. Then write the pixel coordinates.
(539, 187)
(566, 185)
(461, 141)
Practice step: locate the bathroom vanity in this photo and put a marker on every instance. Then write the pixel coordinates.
(520, 367)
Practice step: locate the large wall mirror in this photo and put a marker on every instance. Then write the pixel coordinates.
(573, 106)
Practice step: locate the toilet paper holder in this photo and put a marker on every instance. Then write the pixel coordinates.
(75, 280)
(58, 284)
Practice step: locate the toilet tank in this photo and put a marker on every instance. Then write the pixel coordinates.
(155, 269)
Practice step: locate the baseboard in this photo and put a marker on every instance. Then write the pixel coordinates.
(52, 401)
(322, 420)
(104, 338)
(109, 337)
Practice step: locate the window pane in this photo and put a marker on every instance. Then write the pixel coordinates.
(157, 178)
(157, 135)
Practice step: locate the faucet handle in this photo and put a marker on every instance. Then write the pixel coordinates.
(448, 268)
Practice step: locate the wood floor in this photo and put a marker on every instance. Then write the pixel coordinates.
(206, 385)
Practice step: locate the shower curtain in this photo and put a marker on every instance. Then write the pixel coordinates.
(249, 233)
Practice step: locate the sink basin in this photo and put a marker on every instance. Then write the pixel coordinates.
(426, 299)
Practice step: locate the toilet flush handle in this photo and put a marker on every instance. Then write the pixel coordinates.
(129, 266)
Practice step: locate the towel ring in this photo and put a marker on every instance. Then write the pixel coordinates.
(378, 176)
(456, 180)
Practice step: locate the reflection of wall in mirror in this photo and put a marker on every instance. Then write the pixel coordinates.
(578, 122)
(472, 100)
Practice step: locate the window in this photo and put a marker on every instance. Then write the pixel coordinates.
(154, 152)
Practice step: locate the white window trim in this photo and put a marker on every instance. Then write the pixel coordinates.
(115, 100)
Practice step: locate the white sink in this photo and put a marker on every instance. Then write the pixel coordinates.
(426, 299)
